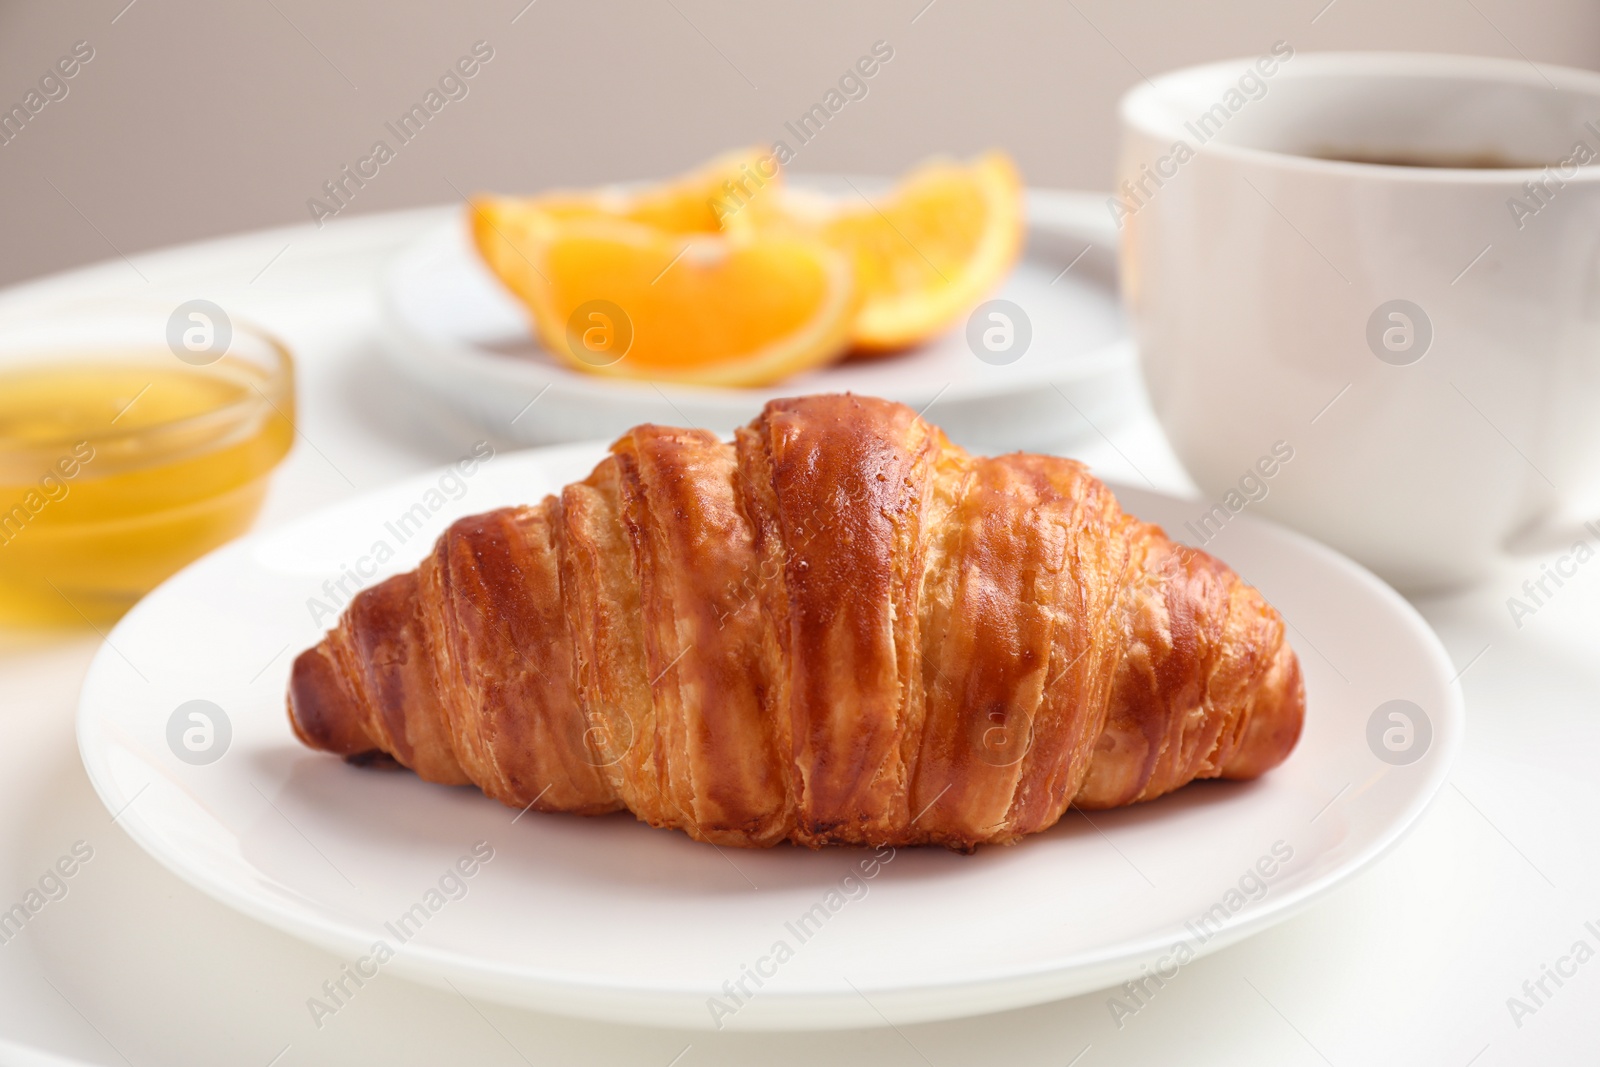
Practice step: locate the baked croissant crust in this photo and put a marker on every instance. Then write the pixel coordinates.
(836, 629)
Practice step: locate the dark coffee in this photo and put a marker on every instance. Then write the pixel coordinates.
(1484, 160)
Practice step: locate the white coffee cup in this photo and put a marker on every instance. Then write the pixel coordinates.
(1401, 360)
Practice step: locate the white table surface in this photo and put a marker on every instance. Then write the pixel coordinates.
(1410, 963)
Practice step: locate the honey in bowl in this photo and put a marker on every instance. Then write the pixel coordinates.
(120, 465)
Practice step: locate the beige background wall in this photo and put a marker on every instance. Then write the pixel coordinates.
(202, 117)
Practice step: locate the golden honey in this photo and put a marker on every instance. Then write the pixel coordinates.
(116, 472)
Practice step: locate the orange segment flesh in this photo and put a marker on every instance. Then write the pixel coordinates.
(931, 250)
(701, 309)
(687, 204)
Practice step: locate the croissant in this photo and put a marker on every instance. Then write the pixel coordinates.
(839, 628)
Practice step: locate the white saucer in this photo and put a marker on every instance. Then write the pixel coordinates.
(453, 330)
(609, 919)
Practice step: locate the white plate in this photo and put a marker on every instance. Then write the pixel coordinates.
(610, 919)
(453, 330)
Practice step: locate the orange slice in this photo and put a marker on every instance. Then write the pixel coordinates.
(931, 250)
(696, 202)
(719, 277)
(614, 296)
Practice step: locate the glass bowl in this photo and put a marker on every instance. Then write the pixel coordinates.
(131, 442)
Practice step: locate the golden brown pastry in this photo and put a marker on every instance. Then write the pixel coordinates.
(837, 629)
